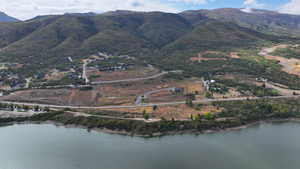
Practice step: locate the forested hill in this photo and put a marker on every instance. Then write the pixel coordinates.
(265, 21)
(47, 41)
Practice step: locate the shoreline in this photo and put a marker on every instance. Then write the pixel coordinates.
(153, 135)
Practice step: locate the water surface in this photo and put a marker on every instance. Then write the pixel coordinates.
(267, 146)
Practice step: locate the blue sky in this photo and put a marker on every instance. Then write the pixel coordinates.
(26, 9)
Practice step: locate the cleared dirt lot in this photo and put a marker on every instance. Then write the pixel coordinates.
(178, 112)
(100, 95)
(55, 75)
(183, 112)
(140, 72)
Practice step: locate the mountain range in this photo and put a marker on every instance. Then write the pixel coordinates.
(259, 20)
(5, 18)
(47, 41)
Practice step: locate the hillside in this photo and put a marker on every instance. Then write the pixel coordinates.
(213, 34)
(46, 42)
(56, 37)
(5, 18)
(260, 20)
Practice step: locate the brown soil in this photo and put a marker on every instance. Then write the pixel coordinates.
(110, 94)
(120, 75)
(290, 66)
(234, 55)
(183, 112)
(164, 96)
(55, 75)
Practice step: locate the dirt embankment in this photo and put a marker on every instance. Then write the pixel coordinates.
(57, 97)
(291, 66)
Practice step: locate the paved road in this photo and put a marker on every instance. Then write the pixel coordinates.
(150, 104)
(136, 106)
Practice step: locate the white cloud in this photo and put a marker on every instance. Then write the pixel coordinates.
(292, 7)
(252, 4)
(25, 9)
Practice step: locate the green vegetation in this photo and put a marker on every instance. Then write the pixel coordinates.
(260, 91)
(66, 80)
(94, 76)
(287, 53)
(166, 41)
(47, 42)
(146, 116)
(209, 95)
(189, 100)
(214, 55)
(235, 113)
(249, 111)
(175, 76)
(113, 61)
(209, 69)
(265, 21)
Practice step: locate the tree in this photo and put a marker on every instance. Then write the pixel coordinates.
(209, 116)
(36, 108)
(208, 95)
(198, 117)
(146, 115)
(11, 107)
(67, 109)
(189, 100)
(25, 107)
(192, 117)
(2, 105)
(155, 107)
(163, 119)
(46, 109)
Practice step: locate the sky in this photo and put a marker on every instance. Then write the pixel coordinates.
(26, 9)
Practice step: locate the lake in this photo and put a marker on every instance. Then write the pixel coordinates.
(45, 146)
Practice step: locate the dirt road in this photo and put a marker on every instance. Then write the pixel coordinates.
(147, 94)
(283, 91)
(84, 75)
